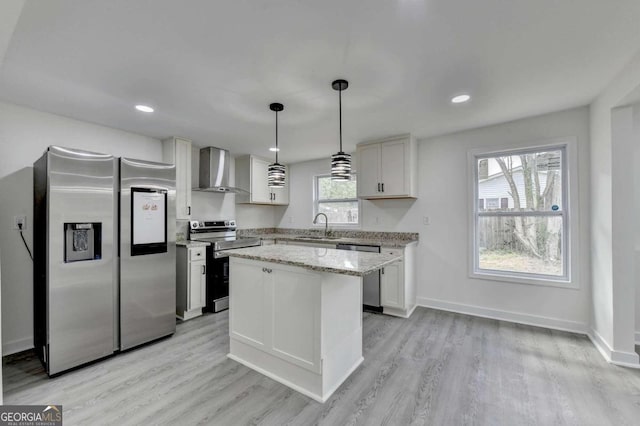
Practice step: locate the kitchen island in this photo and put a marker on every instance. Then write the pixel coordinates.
(295, 313)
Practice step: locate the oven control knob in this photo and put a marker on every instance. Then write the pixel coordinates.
(194, 225)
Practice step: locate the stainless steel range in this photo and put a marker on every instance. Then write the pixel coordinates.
(221, 234)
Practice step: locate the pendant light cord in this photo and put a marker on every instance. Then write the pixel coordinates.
(340, 102)
(277, 137)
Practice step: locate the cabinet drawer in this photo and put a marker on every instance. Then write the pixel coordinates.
(197, 253)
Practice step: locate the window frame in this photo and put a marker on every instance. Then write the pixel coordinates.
(569, 205)
(317, 201)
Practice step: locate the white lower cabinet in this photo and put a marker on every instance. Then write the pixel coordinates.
(398, 283)
(289, 324)
(191, 281)
(392, 286)
(301, 328)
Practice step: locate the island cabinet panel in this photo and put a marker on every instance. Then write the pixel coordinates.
(299, 327)
(247, 319)
(296, 317)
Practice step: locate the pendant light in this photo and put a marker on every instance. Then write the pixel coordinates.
(275, 174)
(340, 162)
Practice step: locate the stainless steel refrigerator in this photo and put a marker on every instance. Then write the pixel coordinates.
(75, 285)
(147, 251)
(104, 255)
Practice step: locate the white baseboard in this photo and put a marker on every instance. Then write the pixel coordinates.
(623, 359)
(15, 346)
(478, 311)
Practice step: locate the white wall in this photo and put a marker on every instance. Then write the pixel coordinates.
(1, 392)
(613, 287)
(636, 210)
(443, 250)
(24, 135)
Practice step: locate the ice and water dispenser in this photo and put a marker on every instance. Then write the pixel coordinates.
(82, 241)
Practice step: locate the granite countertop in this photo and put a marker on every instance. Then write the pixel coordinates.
(334, 261)
(388, 243)
(191, 244)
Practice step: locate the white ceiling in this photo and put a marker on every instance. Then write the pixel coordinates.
(211, 68)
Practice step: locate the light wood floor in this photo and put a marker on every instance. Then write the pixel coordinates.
(435, 368)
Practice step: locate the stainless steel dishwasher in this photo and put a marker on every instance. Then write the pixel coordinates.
(370, 282)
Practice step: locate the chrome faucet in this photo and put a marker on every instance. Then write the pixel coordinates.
(326, 222)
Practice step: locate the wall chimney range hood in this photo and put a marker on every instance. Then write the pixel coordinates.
(214, 171)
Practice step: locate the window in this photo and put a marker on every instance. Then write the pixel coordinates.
(521, 220)
(337, 199)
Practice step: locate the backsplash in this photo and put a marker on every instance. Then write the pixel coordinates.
(182, 230)
(410, 236)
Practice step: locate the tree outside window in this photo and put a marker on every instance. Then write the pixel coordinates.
(522, 226)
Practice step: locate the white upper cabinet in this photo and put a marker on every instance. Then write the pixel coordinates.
(260, 192)
(251, 175)
(368, 169)
(388, 168)
(178, 151)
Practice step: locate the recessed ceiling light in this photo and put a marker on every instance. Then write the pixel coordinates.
(460, 99)
(274, 149)
(144, 108)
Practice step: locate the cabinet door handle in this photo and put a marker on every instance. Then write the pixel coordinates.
(189, 210)
(204, 269)
(382, 271)
(383, 187)
(378, 187)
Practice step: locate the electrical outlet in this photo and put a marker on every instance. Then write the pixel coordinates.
(426, 220)
(20, 223)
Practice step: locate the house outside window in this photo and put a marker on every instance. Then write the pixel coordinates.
(521, 218)
(338, 200)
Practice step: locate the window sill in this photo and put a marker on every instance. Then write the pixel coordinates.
(516, 279)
